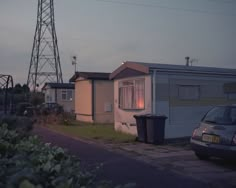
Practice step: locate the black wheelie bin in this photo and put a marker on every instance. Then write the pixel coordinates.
(141, 127)
(155, 129)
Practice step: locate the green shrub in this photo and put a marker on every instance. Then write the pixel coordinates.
(19, 123)
(29, 161)
(26, 162)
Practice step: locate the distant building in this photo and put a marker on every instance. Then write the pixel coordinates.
(182, 93)
(61, 93)
(93, 97)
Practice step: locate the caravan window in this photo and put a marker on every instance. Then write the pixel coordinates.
(66, 95)
(189, 92)
(131, 94)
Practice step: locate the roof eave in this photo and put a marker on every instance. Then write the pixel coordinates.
(131, 65)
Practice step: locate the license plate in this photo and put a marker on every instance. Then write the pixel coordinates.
(210, 138)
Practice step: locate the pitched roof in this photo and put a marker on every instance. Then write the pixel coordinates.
(146, 68)
(59, 85)
(90, 76)
(184, 67)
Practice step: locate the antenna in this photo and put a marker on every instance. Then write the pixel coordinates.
(190, 61)
(45, 60)
(193, 60)
(74, 61)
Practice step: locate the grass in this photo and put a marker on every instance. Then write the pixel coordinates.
(93, 131)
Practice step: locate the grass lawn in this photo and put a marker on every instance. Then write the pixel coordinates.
(93, 131)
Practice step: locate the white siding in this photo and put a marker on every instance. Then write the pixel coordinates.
(184, 114)
(124, 120)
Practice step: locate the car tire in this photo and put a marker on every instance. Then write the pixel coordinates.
(202, 156)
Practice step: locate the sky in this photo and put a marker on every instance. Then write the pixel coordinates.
(105, 33)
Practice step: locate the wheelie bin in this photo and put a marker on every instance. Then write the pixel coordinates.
(155, 125)
(141, 127)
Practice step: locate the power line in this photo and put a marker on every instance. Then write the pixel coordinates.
(213, 1)
(223, 2)
(164, 7)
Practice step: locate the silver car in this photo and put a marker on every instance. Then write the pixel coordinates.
(216, 134)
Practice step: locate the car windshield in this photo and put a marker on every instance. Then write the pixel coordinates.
(224, 115)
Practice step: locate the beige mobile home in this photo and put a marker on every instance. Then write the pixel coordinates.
(182, 93)
(61, 93)
(94, 96)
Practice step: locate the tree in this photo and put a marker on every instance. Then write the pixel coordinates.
(17, 89)
(25, 88)
(36, 98)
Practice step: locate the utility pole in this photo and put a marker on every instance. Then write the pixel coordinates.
(45, 60)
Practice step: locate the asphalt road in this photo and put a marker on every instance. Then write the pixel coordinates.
(118, 168)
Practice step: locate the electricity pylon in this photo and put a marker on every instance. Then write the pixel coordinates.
(45, 60)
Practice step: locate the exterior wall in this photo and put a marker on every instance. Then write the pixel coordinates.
(124, 120)
(49, 95)
(184, 115)
(53, 95)
(83, 100)
(68, 105)
(103, 101)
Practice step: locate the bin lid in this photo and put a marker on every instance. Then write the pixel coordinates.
(139, 115)
(153, 116)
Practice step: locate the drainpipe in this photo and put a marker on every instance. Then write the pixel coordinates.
(154, 92)
(93, 100)
(55, 95)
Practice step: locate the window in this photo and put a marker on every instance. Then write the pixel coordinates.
(189, 92)
(131, 94)
(231, 96)
(66, 95)
(221, 115)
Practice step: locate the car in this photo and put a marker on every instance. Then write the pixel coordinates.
(50, 108)
(216, 134)
(24, 109)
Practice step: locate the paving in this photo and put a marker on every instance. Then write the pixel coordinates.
(174, 158)
(182, 160)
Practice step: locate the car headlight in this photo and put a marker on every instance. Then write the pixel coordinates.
(195, 133)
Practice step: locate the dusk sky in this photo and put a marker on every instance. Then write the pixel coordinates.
(104, 33)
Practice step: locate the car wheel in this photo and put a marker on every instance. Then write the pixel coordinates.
(202, 156)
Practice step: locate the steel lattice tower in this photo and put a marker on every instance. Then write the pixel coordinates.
(45, 60)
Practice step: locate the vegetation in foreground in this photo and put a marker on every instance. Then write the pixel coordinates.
(26, 162)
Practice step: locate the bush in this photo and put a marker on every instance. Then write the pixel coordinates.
(67, 118)
(28, 161)
(19, 123)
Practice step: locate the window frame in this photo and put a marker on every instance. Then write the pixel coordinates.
(64, 92)
(131, 85)
(189, 98)
(231, 96)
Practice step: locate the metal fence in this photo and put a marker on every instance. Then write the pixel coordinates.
(6, 95)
